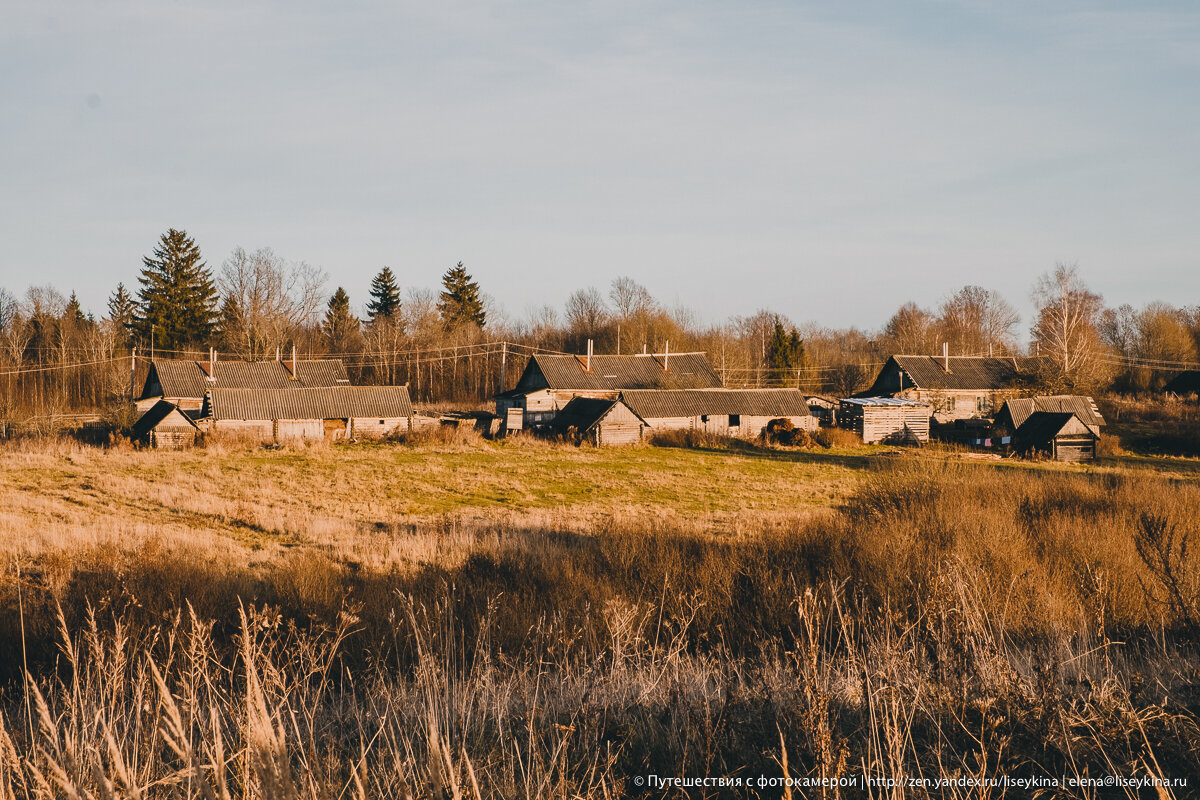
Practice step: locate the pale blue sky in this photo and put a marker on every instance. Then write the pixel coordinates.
(828, 161)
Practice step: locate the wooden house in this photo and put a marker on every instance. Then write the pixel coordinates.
(1014, 412)
(732, 412)
(549, 382)
(165, 427)
(885, 419)
(1060, 435)
(823, 408)
(184, 383)
(333, 413)
(955, 387)
(599, 421)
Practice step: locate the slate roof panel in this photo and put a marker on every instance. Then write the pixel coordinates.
(154, 415)
(654, 404)
(178, 378)
(326, 402)
(582, 413)
(966, 372)
(613, 373)
(1084, 407)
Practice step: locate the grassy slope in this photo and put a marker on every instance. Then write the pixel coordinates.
(349, 501)
(337, 497)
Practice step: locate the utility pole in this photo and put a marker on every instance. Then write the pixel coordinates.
(132, 372)
(503, 364)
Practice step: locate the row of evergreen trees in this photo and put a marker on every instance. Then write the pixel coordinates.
(176, 306)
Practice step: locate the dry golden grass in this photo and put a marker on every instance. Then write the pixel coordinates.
(455, 618)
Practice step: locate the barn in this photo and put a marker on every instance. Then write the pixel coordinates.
(165, 427)
(1014, 412)
(956, 387)
(885, 419)
(549, 382)
(1060, 435)
(333, 413)
(732, 412)
(599, 421)
(184, 383)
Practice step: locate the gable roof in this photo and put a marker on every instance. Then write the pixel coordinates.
(1042, 426)
(178, 378)
(656, 403)
(967, 373)
(583, 413)
(1020, 408)
(156, 414)
(1187, 382)
(614, 373)
(327, 402)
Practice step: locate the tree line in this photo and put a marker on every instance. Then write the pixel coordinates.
(55, 359)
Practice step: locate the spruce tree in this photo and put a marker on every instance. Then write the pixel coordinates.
(785, 351)
(177, 299)
(460, 301)
(73, 313)
(385, 296)
(339, 326)
(122, 311)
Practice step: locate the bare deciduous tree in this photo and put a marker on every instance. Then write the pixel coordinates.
(976, 321)
(273, 300)
(1065, 331)
(586, 311)
(911, 330)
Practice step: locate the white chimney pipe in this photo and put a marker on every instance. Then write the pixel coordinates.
(588, 366)
(666, 355)
(946, 356)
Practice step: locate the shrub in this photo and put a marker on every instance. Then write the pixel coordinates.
(837, 437)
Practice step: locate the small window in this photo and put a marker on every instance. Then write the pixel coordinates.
(381, 422)
(980, 403)
(735, 420)
(704, 418)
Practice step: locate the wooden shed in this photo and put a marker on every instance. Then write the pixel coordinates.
(164, 426)
(885, 419)
(1060, 435)
(732, 412)
(550, 382)
(333, 413)
(599, 421)
(955, 387)
(184, 383)
(1015, 412)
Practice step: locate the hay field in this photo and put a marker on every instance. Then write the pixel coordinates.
(460, 618)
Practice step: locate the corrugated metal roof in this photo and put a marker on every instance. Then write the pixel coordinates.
(1042, 426)
(329, 402)
(882, 401)
(613, 373)
(582, 413)
(178, 378)
(154, 415)
(652, 404)
(967, 373)
(1020, 408)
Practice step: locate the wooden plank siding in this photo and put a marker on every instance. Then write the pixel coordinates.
(885, 419)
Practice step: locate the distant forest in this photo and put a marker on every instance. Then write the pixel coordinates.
(448, 344)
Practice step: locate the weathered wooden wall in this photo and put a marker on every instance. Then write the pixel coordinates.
(376, 428)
